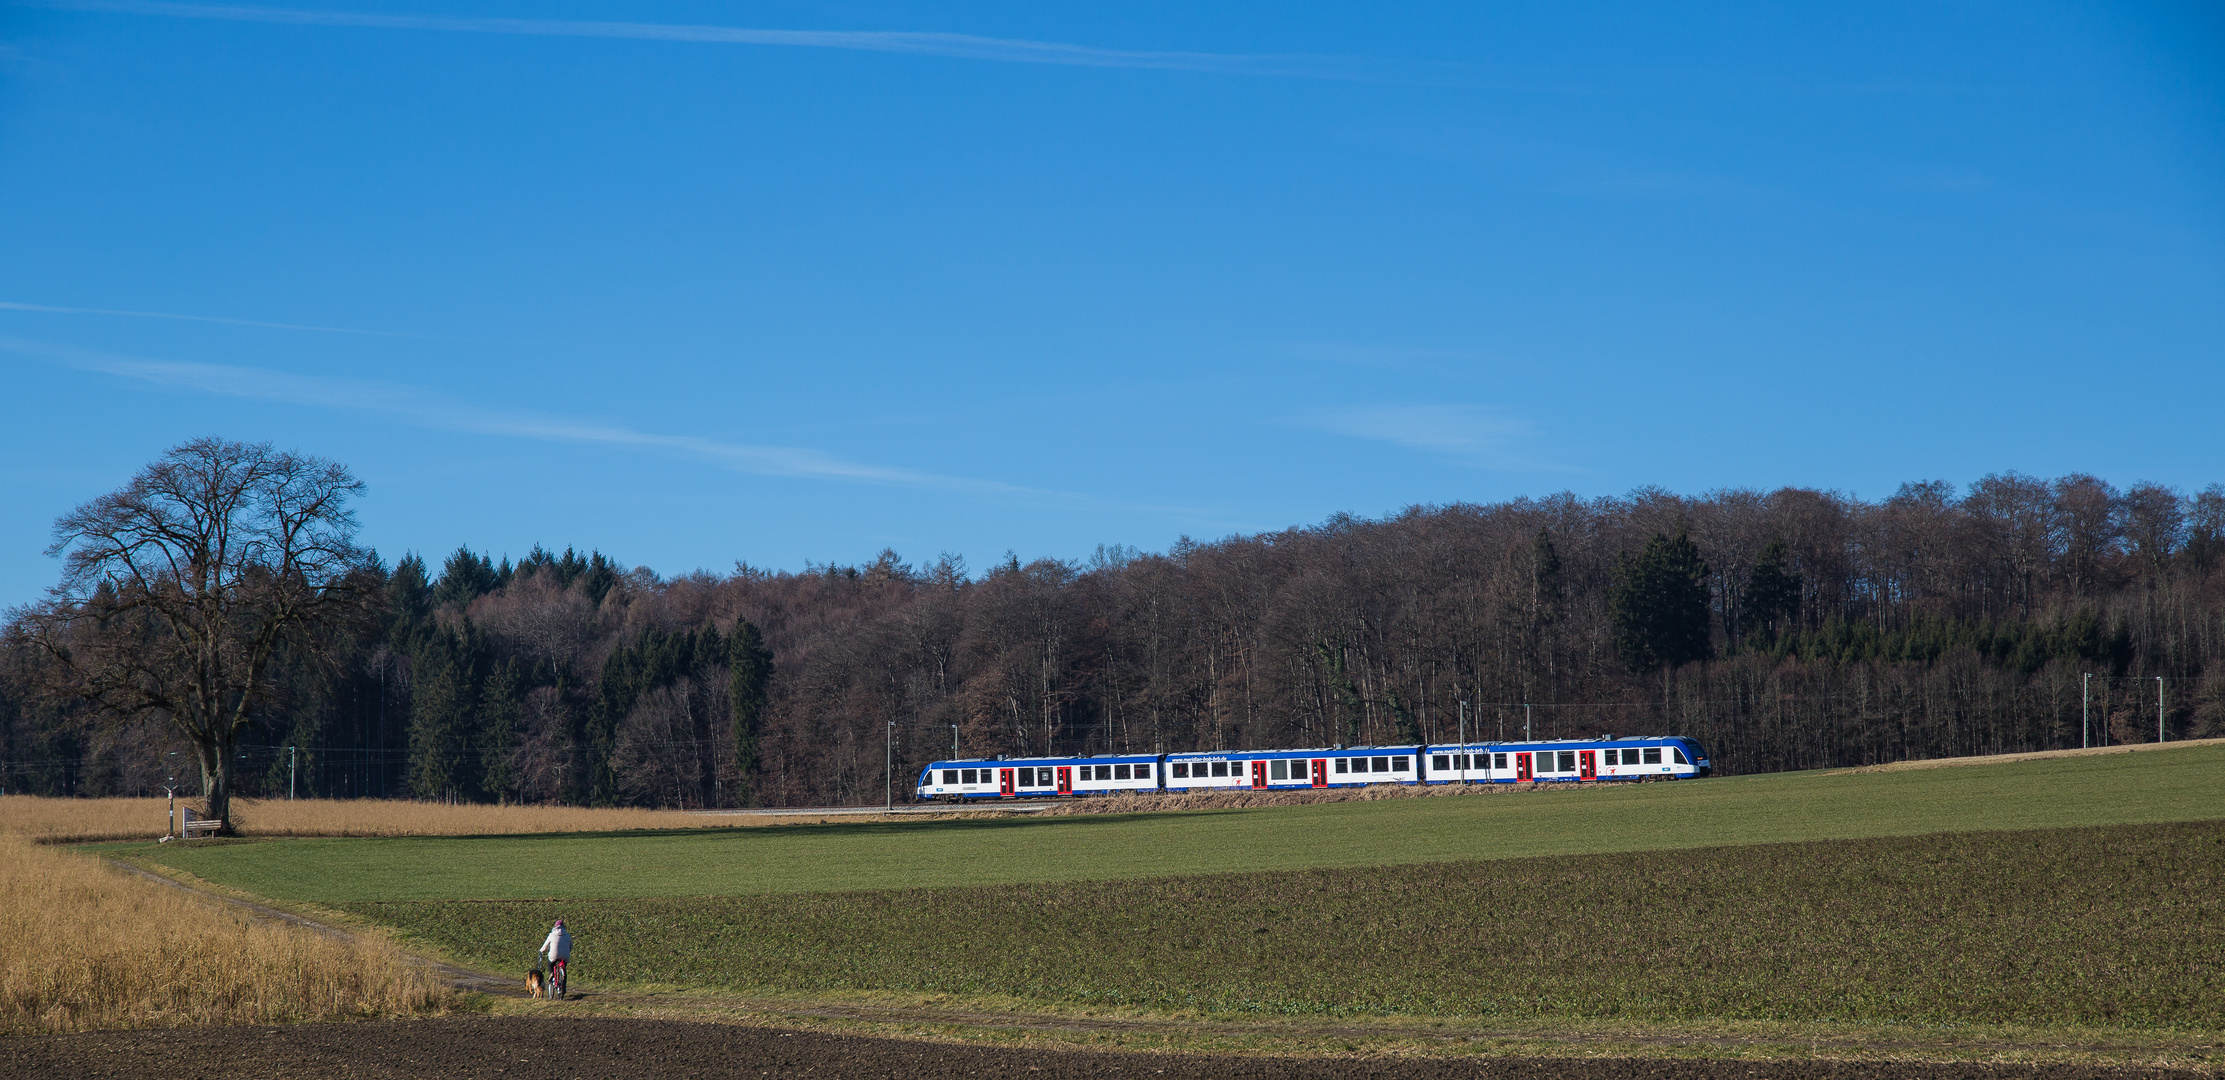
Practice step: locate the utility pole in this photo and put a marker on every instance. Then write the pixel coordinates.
(292, 757)
(1526, 722)
(888, 768)
(2085, 710)
(953, 740)
(2159, 708)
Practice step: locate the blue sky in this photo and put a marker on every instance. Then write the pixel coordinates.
(693, 283)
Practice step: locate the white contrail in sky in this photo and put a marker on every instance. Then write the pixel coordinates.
(966, 46)
(427, 409)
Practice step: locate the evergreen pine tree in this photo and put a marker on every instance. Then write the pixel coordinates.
(1658, 605)
(446, 672)
(499, 707)
(409, 595)
(463, 578)
(1772, 595)
(750, 672)
(1348, 711)
(615, 694)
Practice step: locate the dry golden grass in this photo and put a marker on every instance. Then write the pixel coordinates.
(86, 820)
(91, 948)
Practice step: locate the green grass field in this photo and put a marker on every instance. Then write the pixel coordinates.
(2154, 787)
(2119, 926)
(2057, 894)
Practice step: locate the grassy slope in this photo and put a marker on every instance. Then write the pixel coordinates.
(2164, 786)
(2121, 926)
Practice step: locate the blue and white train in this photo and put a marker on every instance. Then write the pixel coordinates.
(1660, 757)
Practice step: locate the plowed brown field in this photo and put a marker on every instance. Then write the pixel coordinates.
(593, 1049)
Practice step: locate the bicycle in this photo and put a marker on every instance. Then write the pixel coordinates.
(556, 979)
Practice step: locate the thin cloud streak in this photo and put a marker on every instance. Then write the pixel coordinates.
(1464, 433)
(963, 46)
(9, 305)
(426, 409)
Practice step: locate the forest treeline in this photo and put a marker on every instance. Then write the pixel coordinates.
(1791, 629)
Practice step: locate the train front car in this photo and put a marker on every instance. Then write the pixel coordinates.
(1657, 757)
(1033, 778)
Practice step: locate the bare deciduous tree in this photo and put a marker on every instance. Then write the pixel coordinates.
(179, 588)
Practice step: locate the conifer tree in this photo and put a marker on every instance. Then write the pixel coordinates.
(1772, 595)
(499, 705)
(750, 671)
(465, 577)
(409, 593)
(1659, 605)
(1348, 709)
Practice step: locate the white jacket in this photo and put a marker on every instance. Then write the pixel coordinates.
(559, 944)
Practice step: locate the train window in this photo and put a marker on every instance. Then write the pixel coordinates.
(1344, 765)
(1440, 762)
(1278, 770)
(1120, 772)
(1544, 761)
(965, 776)
(1143, 771)
(1653, 755)
(950, 776)
(1607, 757)
(1381, 764)
(1181, 770)
(1104, 772)
(1498, 761)
(1220, 768)
(1679, 756)
(1399, 764)
(1568, 761)
(1024, 778)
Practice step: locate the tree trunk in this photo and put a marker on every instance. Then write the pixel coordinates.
(216, 780)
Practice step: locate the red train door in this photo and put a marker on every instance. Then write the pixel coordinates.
(1587, 764)
(1004, 783)
(1521, 768)
(1066, 779)
(1259, 776)
(1320, 772)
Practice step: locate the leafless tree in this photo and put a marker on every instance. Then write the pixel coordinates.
(180, 588)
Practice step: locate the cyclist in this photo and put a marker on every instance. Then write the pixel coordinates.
(558, 950)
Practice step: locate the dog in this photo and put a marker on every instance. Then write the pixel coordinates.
(536, 984)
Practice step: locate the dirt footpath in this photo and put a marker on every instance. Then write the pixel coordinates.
(518, 1047)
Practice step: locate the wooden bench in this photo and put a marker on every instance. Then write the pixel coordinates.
(206, 826)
